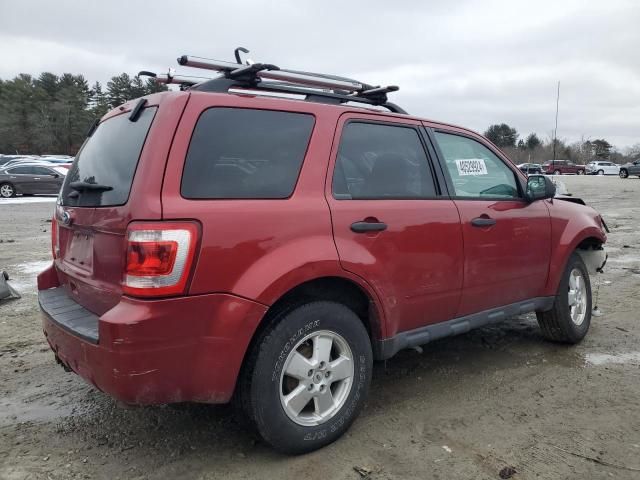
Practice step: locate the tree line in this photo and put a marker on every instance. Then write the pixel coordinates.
(533, 149)
(51, 114)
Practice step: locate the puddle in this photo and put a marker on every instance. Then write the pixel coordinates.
(597, 359)
(17, 413)
(23, 276)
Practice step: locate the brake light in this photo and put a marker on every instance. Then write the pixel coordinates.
(159, 258)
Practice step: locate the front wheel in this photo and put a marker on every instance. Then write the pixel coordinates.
(623, 173)
(7, 190)
(569, 319)
(308, 376)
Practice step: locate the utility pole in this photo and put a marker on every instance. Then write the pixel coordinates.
(555, 130)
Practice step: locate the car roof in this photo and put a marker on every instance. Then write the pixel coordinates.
(281, 103)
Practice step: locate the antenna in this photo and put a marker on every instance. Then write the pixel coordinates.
(555, 131)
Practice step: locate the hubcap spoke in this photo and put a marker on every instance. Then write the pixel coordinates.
(324, 402)
(572, 297)
(298, 399)
(322, 348)
(341, 368)
(298, 366)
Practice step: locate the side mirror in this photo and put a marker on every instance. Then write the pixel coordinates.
(56, 175)
(539, 187)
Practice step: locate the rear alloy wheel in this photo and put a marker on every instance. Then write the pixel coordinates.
(623, 173)
(556, 172)
(569, 319)
(600, 172)
(308, 376)
(7, 190)
(580, 172)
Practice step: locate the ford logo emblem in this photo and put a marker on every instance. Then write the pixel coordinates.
(66, 218)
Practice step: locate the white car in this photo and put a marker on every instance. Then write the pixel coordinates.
(603, 168)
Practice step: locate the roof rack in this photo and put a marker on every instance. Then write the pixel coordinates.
(315, 87)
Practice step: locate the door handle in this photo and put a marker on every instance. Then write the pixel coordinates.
(364, 227)
(36, 178)
(483, 222)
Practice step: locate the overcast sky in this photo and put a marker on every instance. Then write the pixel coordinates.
(471, 63)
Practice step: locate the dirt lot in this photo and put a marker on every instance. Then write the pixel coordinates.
(466, 407)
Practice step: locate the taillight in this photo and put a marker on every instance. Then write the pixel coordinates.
(159, 258)
(55, 247)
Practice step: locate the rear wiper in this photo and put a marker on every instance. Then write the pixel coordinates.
(83, 186)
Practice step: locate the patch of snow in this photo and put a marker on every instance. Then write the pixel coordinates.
(598, 359)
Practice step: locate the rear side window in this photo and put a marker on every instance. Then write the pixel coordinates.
(380, 161)
(108, 161)
(245, 153)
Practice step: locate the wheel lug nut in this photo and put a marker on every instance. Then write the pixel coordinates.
(310, 373)
(321, 388)
(327, 374)
(310, 387)
(322, 364)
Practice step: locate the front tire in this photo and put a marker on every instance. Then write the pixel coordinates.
(7, 190)
(569, 319)
(623, 173)
(308, 376)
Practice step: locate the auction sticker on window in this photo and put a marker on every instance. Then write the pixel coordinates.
(471, 166)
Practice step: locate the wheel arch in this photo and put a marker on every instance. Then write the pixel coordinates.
(589, 239)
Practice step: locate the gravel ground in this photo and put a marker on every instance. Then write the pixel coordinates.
(472, 407)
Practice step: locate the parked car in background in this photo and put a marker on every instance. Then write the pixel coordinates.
(31, 179)
(600, 167)
(631, 168)
(65, 162)
(530, 168)
(5, 160)
(562, 167)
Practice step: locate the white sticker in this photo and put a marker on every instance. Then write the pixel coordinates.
(472, 166)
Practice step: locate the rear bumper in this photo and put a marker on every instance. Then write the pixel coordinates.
(160, 351)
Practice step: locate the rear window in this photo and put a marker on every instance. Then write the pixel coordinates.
(245, 153)
(108, 161)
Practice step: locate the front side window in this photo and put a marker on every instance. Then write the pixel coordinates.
(245, 153)
(475, 171)
(377, 161)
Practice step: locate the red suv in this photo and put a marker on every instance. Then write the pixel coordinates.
(562, 167)
(221, 242)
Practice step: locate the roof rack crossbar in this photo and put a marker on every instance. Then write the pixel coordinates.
(171, 78)
(318, 87)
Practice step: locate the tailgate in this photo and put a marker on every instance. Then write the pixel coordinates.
(115, 178)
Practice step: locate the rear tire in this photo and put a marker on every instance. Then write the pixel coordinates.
(7, 190)
(623, 173)
(296, 412)
(569, 319)
(600, 172)
(580, 172)
(557, 172)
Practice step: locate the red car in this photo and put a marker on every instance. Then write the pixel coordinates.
(220, 242)
(562, 167)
